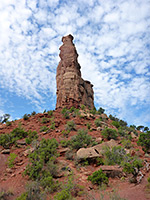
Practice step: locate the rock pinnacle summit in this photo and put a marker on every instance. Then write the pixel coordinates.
(72, 90)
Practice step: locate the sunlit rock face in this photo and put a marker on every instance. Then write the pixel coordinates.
(72, 90)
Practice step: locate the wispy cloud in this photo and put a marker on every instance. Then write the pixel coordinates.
(112, 39)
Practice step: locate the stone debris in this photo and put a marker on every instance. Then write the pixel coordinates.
(6, 151)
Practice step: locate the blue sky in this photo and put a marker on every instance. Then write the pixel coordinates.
(113, 42)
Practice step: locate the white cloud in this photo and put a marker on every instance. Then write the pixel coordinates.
(111, 38)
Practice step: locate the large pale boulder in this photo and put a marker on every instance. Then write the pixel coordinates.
(95, 151)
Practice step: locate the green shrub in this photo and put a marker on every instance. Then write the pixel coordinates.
(93, 111)
(52, 168)
(82, 139)
(99, 178)
(122, 132)
(65, 112)
(72, 109)
(4, 195)
(23, 196)
(69, 190)
(33, 113)
(44, 128)
(116, 124)
(19, 133)
(11, 160)
(63, 195)
(65, 133)
(148, 179)
(6, 140)
(8, 123)
(115, 155)
(32, 135)
(64, 143)
(109, 133)
(52, 126)
(98, 122)
(130, 167)
(70, 126)
(34, 191)
(144, 141)
(126, 143)
(45, 120)
(42, 155)
(76, 113)
(99, 161)
(47, 182)
(100, 111)
(120, 122)
(82, 107)
(50, 112)
(88, 126)
(26, 116)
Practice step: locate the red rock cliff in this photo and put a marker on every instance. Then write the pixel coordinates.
(72, 90)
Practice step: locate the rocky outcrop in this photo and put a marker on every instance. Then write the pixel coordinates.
(95, 151)
(72, 90)
(113, 171)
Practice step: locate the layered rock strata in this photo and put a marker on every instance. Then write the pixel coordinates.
(72, 90)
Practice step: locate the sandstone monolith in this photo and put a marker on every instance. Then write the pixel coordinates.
(72, 90)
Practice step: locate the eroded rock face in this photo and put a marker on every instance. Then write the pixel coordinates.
(72, 90)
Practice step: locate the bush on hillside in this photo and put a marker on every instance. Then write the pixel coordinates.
(116, 124)
(33, 113)
(6, 140)
(45, 120)
(115, 155)
(120, 122)
(109, 133)
(98, 122)
(126, 143)
(144, 141)
(100, 111)
(132, 166)
(70, 126)
(26, 116)
(44, 128)
(82, 139)
(50, 112)
(99, 178)
(11, 160)
(45, 152)
(32, 135)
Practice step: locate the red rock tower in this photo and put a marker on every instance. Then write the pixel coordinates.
(72, 90)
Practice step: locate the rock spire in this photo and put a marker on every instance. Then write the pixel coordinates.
(72, 90)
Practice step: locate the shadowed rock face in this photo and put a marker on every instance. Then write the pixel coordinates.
(72, 90)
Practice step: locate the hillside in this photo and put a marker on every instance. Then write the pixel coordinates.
(64, 147)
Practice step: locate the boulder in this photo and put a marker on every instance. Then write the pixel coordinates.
(87, 153)
(72, 90)
(112, 171)
(95, 151)
(6, 151)
(28, 151)
(22, 142)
